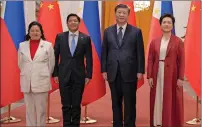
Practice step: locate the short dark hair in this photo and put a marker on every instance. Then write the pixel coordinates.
(27, 37)
(122, 6)
(75, 15)
(167, 15)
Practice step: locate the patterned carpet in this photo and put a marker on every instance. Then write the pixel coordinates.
(101, 110)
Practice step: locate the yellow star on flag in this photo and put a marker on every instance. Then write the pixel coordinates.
(41, 5)
(79, 10)
(156, 11)
(193, 8)
(50, 6)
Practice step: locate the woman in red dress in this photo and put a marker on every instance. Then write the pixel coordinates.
(165, 73)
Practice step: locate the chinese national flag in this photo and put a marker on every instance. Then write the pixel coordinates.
(132, 21)
(192, 47)
(49, 17)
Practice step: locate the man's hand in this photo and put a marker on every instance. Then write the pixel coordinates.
(139, 76)
(56, 80)
(151, 82)
(87, 80)
(180, 83)
(104, 75)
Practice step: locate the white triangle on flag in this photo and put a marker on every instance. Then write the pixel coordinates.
(80, 9)
(30, 12)
(3, 9)
(157, 9)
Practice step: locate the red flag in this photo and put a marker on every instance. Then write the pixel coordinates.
(192, 47)
(49, 17)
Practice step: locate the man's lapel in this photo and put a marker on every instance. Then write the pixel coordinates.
(66, 42)
(114, 31)
(80, 39)
(126, 34)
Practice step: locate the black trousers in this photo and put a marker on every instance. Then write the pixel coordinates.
(126, 91)
(71, 97)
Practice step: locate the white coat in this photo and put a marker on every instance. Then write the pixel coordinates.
(35, 75)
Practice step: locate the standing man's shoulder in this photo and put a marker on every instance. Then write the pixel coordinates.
(134, 28)
(83, 35)
(62, 34)
(109, 28)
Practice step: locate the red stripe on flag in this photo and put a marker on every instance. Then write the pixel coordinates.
(96, 88)
(10, 73)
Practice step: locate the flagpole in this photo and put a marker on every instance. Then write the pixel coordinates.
(50, 119)
(9, 119)
(86, 119)
(197, 120)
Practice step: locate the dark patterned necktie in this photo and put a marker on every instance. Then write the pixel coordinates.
(120, 35)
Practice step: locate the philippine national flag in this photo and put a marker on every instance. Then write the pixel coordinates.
(90, 25)
(160, 8)
(12, 33)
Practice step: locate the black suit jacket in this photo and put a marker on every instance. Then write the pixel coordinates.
(66, 64)
(130, 54)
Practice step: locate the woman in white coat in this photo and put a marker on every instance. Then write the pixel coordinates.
(36, 61)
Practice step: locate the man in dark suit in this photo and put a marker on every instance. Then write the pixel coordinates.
(123, 64)
(70, 49)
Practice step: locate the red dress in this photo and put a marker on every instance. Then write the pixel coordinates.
(34, 44)
(173, 108)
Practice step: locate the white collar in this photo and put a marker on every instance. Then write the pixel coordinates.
(124, 26)
(76, 33)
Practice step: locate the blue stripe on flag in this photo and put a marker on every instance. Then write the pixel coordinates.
(92, 22)
(15, 21)
(167, 7)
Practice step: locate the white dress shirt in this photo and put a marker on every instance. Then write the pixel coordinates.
(123, 30)
(75, 38)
